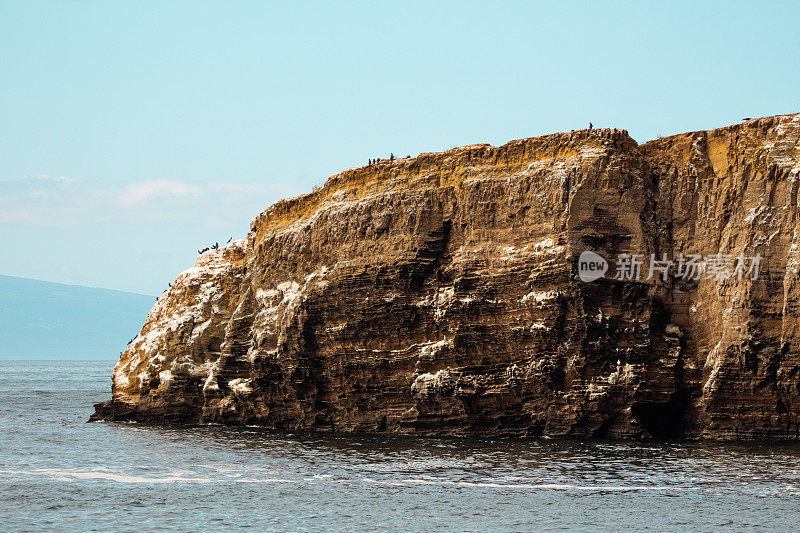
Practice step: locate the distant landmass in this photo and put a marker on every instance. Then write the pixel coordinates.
(43, 320)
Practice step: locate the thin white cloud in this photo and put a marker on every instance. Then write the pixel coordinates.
(45, 201)
(137, 194)
(63, 180)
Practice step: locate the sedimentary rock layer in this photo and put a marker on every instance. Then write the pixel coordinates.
(439, 295)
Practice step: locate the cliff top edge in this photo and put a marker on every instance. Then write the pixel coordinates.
(462, 158)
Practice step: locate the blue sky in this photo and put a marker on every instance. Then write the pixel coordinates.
(132, 134)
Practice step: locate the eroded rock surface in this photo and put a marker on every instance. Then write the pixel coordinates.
(438, 295)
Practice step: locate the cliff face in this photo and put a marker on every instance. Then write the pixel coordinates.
(440, 295)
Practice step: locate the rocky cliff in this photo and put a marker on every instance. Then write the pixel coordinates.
(440, 295)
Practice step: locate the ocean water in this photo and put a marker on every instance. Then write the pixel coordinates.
(59, 473)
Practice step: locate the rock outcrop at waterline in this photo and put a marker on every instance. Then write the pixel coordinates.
(439, 295)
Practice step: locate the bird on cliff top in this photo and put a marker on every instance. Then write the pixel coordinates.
(590, 126)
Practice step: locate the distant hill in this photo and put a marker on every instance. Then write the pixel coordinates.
(42, 320)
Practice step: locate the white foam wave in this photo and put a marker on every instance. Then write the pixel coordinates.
(103, 474)
(233, 475)
(525, 486)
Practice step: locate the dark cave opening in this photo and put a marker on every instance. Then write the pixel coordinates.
(660, 419)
